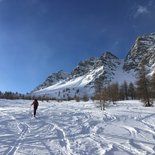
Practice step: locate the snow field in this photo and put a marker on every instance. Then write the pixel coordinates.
(76, 128)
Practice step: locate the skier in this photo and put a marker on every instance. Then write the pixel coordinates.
(35, 106)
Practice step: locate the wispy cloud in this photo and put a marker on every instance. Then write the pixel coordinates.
(116, 43)
(141, 10)
(150, 3)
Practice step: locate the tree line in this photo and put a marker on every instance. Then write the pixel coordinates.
(143, 89)
(115, 92)
(16, 95)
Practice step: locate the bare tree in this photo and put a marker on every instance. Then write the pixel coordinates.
(152, 86)
(131, 91)
(113, 92)
(143, 88)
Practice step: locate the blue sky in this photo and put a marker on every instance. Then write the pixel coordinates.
(39, 37)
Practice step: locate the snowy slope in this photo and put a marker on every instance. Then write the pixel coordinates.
(53, 79)
(108, 69)
(71, 128)
(84, 85)
(72, 85)
(120, 75)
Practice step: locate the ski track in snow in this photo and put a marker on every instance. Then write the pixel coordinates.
(71, 128)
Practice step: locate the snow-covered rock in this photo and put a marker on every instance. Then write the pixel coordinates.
(143, 51)
(53, 79)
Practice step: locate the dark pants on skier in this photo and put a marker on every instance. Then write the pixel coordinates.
(35, 109)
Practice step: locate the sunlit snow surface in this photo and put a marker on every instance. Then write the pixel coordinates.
(76, 128)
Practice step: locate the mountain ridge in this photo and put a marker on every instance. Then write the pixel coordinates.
(107, 68)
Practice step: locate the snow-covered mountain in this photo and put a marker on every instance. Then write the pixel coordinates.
(53, 79)
(106, 69)
(143, 51)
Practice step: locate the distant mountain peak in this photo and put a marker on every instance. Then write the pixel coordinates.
(143, 50)
(53, 79)
(108, 55)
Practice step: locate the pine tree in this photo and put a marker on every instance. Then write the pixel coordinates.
(85, 98)
(121, 93)
(98, 89)
(152, 84)
(131, 91)
(113, 92)
(101, 95)
(77, 98)
(143, 89)
(126, 90)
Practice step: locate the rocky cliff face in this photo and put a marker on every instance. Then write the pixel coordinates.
(143, 51)
(53, 79)
(107, 60)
